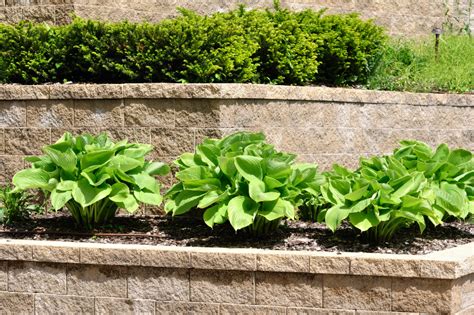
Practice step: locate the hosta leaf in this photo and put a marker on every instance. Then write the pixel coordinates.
(193, 173)
(215, 215)
(357, 194)
(277, 169)
(137, 151)
(249, 167)
(96, 159)
(66, 185)
(227, 166)
(211, 198)
(120, 192)
(208, 154)
(66, 160)
(186, 200)
(125, 163)
(258, 194)
(241, 212)
(86, 194)
(95, 180)
(129, 203)
(145, 181)
(277, 209)
(148, 197)
(31, 179)
(364, 220)
(334, 216)
(203, 184)
(60, 198)
(459, 156)
(157, 168)
(272, 183)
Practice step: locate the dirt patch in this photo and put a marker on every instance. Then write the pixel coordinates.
(183, 231)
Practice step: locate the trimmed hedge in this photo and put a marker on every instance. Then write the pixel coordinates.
(255, 46)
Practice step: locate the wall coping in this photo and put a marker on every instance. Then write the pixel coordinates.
(227, 91)
(451, 263)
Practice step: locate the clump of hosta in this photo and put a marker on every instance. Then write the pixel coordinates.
(92, 177)
(240, 179)
(387, 193)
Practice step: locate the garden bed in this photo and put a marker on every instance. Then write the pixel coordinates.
(188, 231)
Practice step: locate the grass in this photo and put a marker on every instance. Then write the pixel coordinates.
(411, 65)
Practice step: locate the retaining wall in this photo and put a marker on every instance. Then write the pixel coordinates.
(401, 17)
(52, 277)
(322, 125)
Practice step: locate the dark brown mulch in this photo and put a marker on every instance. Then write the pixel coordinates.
(185, 231)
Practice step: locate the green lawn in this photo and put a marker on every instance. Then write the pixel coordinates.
(411, 65)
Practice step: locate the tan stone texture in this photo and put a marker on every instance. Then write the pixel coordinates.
(124, 306)
(288, 289)
(57, 304)
(164, 258)
(55, 254)
(98, 113)
(150, 113)
(357, 292)
(159, 284)
(222, 286)
(50, 114)
(110, 256)
(26, 141)
(228, 309)
(12, 114)
(16, 303)
(98, 281)
(317, 311)
(284, 262)
(3, 276)
(197, 113)
(187, 308)
(330, 265)
(390, 267)
(36, 277)
(421, 295)
(9, 165)
(172, 142)
(17, 252)
(224, 261)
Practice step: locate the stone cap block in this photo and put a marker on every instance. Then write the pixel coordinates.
(228, 91)
(451, 263)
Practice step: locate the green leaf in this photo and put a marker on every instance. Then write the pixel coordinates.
(277, 209)
(145, 181)
(249, 167)
(459, 156)
(60, 198)
(124, 163)
(186, 200)
(334, 216)
(86, 194)
(241, 212)
(364, 220)
(31, 179)
(157, 168)
(66, 160)
(258, 194)
(227, 166)
(210, 198)
(96, 159)
(148, 198)
(215, 215)
(120, 192)
(357, 194)
(66, 185)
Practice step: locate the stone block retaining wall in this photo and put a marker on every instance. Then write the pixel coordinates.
(70, 278)
(401, 17)
(322, 125)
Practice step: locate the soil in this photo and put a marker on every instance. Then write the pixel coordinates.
(188, 231)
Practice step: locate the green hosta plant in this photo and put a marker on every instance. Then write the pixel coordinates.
(240, 179)
(378, 199)
(450, 172)
(92, 177)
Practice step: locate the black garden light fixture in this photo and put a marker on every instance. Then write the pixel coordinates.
(437, 31)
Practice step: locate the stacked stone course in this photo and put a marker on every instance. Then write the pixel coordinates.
(401, 17)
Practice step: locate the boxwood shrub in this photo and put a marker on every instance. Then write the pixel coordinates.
(256, 46)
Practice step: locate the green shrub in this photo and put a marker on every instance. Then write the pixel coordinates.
(390, 192)
(240, 179)
(349, 49)
(92, 177)
(256, 46)
(16, 205)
